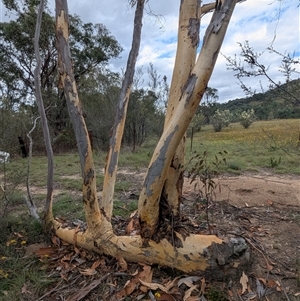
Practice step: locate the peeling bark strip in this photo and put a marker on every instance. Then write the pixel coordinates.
(193, 32)
(118, 127)
(156, 167)
(222, 8)
(65, 68)
(113, 161)
(189, 87)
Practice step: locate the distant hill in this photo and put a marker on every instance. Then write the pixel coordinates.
(275, 103)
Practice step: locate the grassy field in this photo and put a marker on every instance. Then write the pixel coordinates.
(266, 145)
(271, 146)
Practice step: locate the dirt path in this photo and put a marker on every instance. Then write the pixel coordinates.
(242, 190)
(256, 190)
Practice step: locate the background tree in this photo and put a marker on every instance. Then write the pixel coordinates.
(142, 118)
(99, 91)
(247, 118)
(159, 86)
(146, 107)
(209, 105)
(91, 44)
(198, 121)
(220, 119)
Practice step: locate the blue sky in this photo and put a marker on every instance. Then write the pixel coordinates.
(258, 21)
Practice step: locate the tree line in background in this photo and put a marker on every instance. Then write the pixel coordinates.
(276, 101)
(92, 46)
(272, 104)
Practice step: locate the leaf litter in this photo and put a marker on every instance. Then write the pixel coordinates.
(269, 230)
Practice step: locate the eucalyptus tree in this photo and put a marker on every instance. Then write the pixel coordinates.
(143, 118)
(161, 239)
(92, 46)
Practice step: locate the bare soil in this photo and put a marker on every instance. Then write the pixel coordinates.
(264, 209)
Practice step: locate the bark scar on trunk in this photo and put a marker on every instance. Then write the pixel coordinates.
(157, 166)
(193, 31)
(189, 87)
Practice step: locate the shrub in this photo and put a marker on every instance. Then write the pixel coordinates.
(197, 122)
(247, 118)
(221, 119)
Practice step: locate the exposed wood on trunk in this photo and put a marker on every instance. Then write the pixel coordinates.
(39, 100)
(91, 207)
(188, 40)
(183, 113)
(118, 128)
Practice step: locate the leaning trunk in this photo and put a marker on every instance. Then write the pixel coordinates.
(194, 88)
(48, 217)
(67, 80)
(188, 40)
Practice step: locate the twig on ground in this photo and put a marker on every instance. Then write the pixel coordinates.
(51, 291)
(283, 289)
(261, 252)
(86, 290)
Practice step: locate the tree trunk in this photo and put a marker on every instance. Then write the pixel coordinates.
(188, 40)
(90, 201)
(194, 88)
(206, 253)
(29, 199)
(48, 217)
(118, 128)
